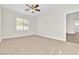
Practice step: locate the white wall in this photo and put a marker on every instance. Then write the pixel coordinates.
(71, 25)
(9, 24)
(52, 24)
(77, 29)
(0, 23)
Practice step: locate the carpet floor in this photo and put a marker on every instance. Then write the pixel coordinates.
(37, 45)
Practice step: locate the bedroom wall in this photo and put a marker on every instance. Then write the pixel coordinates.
(71, 26)
(52, 24)
(70, 23)
(0, 23)
(9, 24)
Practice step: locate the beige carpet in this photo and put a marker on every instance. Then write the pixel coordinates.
(37, 45)
(73, 37)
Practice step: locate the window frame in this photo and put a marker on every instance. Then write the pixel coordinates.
(23, 26)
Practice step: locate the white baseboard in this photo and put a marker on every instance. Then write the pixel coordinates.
(14, 36)
(38, 34)
(52, 37)
(0, 40)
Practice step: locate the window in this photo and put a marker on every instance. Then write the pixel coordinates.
(22, 24)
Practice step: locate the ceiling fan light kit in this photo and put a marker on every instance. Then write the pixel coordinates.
(33, 7)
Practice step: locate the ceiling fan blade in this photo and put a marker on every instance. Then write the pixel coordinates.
(37, 9)
(36, 6)
(27, 10)
(28, 6)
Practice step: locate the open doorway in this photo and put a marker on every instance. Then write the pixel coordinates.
(72, 27)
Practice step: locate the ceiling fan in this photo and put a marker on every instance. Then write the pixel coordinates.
(32, 7)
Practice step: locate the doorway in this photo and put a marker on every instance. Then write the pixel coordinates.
(72, 27)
